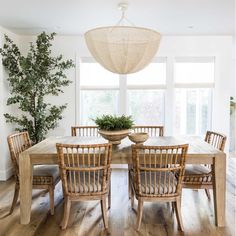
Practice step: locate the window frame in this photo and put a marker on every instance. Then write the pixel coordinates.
(169, 88)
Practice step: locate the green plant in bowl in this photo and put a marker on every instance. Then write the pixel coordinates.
(111, 123)
(114, 128)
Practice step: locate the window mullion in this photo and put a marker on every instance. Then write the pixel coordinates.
(77, 91)
(169, 96)
(123, 95)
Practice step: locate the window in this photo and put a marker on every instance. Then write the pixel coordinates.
(96, 103)
(153, 74)
(194, 82)
(92, 74)
(99, 92)
(146, 94)
(102, 93)
(146, 106)
(185, 97)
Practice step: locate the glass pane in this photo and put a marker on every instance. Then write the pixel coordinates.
(93, 74)
(192, 111)
(194, 72)
(154, 73)
(146, 106)
(97, 103)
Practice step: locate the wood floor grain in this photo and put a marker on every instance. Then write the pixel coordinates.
(86, 219)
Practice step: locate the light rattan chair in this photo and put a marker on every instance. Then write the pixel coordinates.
(152, 130)
(157, 176)
(201, 176)
(44, 177)
(85, 174)
(84, 131)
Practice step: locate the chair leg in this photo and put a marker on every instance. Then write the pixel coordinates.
(67, 205)
(132, 198)
(109, 196)
(129, 182)
(51, 196)
(14, 201)
(208, 193)
(173, 207)
(104, 212)
(178, 214)
(140, 212)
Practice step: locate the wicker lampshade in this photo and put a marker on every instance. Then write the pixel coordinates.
(123, 49)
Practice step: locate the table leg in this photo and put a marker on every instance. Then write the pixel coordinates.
(220, 189)
(26, 177)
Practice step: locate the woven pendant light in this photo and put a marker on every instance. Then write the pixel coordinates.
(123, 49)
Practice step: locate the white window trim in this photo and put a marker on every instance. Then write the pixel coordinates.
(99, 88)
(194, 85)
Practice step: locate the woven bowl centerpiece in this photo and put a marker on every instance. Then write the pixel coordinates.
(114, 137)
(114, 128)
(138, 138)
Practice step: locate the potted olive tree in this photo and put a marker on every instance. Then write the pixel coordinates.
(114, 128)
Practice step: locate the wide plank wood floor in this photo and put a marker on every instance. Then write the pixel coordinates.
(85, 217)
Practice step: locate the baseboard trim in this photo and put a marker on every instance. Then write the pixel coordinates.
(6, 174)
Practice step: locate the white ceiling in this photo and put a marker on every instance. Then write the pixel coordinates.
(170, 17)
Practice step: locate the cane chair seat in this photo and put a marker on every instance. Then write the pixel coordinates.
(45, 174)
(196, 170)
(155, 183)
(197, 174)
(90, 183)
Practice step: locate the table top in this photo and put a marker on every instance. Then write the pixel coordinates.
(45, 151)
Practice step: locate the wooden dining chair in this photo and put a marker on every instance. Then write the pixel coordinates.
(152, 130)
(44, 176)
(84, 131)
(201, 176)
(85, 174)
(154, 177)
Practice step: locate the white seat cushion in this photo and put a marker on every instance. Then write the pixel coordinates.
(196, 170)
(197, 174)
(46, 171)
(82, 182)
(165, 182)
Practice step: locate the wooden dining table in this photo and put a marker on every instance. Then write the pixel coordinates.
(199, 152)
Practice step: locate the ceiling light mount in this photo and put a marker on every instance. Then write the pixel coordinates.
(123, 6)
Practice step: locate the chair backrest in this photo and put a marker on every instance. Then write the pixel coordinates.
(84, 169)
(150, 129)
(18, 143)
(217, 140)
(85, 131)
(158, 170)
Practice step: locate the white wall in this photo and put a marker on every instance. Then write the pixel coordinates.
(5, 129)
(171, 46)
